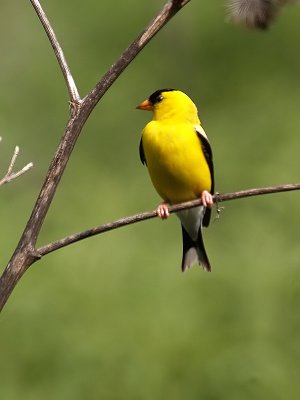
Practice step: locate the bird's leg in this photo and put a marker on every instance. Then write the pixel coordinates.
(207, 199)
(219, 208)
(163, 211)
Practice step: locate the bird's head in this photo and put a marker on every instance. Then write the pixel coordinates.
(170, 103)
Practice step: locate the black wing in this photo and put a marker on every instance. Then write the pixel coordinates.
(209, 159)
(142, 154)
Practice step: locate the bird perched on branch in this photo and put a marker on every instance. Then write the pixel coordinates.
(255, 13)
(178, 155)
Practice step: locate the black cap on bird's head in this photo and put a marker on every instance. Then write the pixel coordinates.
(155, 98)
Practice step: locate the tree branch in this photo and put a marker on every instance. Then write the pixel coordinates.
(80, 115)
(73, 92)
(218, 198)
(168, 11)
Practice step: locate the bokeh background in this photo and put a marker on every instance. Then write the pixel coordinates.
(113, 317)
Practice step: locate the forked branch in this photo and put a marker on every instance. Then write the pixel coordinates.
(25, 254)
(10, 175)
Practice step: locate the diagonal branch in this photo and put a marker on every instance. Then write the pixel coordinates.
(73, 92)
(218, 198)
(168, 11)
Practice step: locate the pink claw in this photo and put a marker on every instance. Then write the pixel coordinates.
(207, 199)
(163, 211)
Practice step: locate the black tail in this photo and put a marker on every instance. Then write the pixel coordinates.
(193, 252)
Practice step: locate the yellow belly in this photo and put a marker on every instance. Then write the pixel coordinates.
(176, 163)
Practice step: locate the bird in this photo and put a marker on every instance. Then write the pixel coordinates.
(256, 14)
(178, 155)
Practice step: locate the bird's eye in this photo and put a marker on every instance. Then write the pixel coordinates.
(156, 97)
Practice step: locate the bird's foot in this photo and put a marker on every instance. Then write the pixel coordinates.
(163, 211)
(219, 208)
(207, 199)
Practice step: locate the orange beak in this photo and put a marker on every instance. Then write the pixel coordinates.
(145, 105)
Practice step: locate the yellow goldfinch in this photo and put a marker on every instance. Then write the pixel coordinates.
(178, 155)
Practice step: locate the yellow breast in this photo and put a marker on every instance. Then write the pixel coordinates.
(175, 160)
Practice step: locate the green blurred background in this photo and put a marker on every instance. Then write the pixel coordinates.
(112, 317)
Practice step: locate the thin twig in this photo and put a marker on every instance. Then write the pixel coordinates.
(72, 88)
(13, 160)
(218, 198)
(9, 176)
(170, 9)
